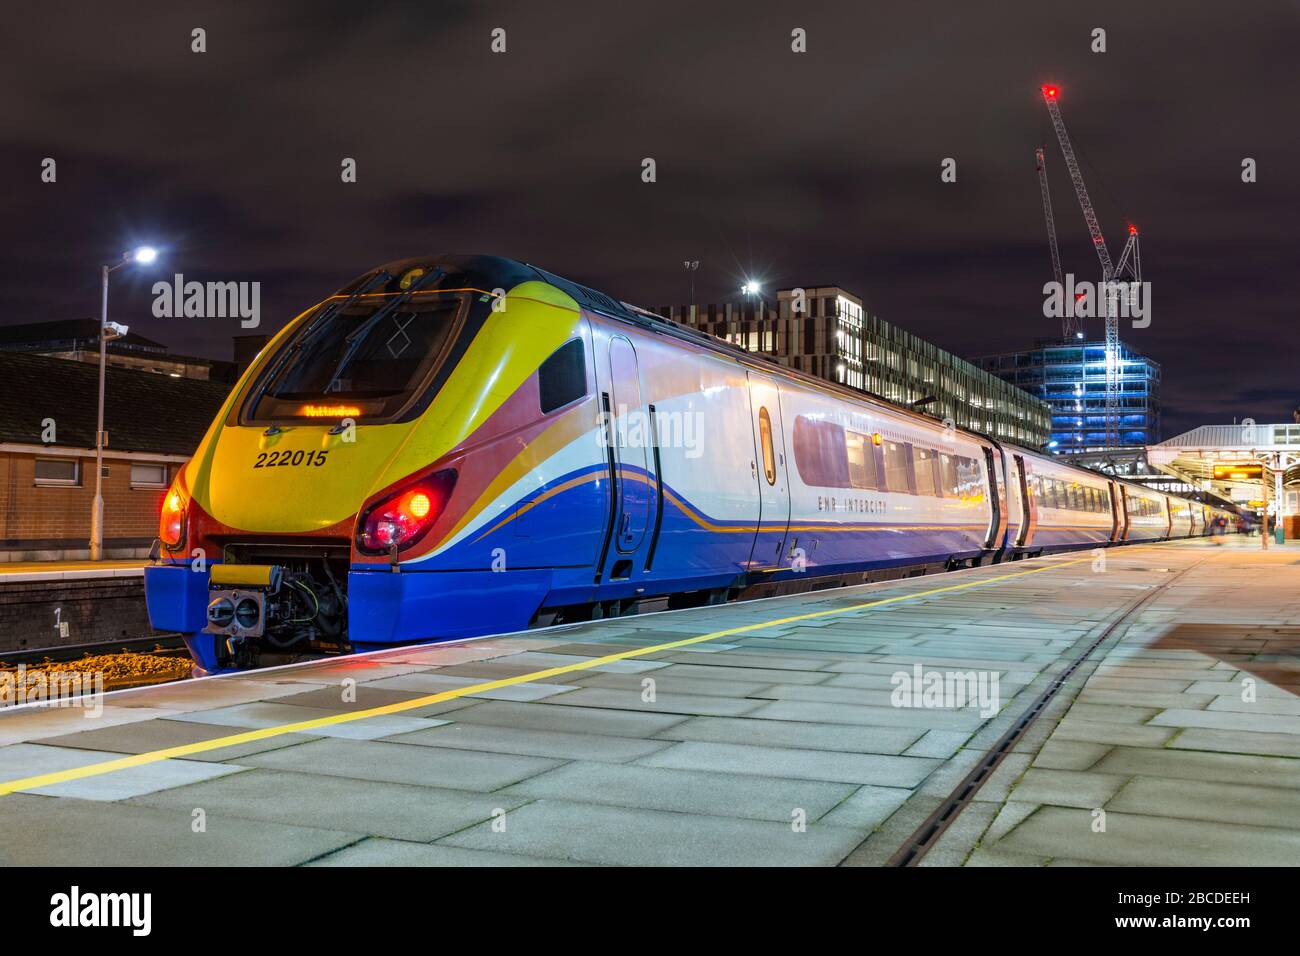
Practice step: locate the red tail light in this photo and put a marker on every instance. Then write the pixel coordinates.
(400, 519)
(171, 524)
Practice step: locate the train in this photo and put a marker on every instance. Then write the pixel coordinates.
(453, 446)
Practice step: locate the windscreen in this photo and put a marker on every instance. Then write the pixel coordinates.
(367, 359)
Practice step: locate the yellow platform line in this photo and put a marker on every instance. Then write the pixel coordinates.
(306, 726)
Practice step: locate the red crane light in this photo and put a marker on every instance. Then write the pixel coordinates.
(1050, 92)
(1132, 230)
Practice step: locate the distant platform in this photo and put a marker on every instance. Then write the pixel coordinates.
(13, 571)
(766, 733)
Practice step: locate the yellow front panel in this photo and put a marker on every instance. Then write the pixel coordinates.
(239, 474)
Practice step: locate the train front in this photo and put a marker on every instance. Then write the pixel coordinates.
(351, 451)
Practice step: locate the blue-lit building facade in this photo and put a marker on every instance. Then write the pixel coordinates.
(1071, 378)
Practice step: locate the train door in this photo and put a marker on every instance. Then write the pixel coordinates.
(1123, 510)
(997, 498)
(1025, 534)
(630, 427)
(769, 467)
(1118, 513)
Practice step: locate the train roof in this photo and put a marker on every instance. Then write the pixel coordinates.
(499, 272)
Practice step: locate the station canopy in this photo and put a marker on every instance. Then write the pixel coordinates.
(1233, 461)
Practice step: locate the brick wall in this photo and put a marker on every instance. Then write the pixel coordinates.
(41, 518)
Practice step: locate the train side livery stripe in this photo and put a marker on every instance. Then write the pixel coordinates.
(702, 520)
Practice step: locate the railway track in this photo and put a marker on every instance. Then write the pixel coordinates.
(134, 662)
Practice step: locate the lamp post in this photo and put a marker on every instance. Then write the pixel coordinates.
(107, 331)
(754, 290)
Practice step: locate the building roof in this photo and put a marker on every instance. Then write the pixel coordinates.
(143, 412)
(39, 335)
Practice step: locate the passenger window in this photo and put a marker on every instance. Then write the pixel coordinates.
(765, 439)
(819, 453)
(862, 461)
(923, 462)
(948, 476)
(898, 463)
(562, 378)
(968, 478)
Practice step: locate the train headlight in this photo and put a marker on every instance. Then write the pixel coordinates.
(400, 519)
(171, 524)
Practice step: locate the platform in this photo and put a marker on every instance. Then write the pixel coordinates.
(69, 570)
(770, 734)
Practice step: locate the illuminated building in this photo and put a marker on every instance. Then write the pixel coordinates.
(1071, 378)
(836, 339)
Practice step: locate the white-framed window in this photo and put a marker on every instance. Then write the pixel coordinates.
(148, 475)
(55, 472)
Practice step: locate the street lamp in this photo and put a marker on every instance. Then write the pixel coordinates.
(753, 289)
(108, 331)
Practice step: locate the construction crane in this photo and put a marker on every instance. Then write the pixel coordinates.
(1113, 277)
(1070, 323)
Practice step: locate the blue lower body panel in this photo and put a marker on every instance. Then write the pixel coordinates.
(386, 608)
(177, 597)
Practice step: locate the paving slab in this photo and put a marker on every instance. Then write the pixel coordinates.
(685, 791)
(151, 735)
(23, 760)
(591, 833)
(264, 715)
(362, 807)
(63, 831)
(428, 766)
(879, 769)
(538, 743)
(378, 851)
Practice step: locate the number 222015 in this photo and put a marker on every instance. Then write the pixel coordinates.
(281, 459)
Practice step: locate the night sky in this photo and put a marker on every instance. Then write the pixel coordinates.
(801, 169)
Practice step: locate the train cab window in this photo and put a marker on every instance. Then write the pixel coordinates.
(765, 439)
(370, 358)
(898, 466)
(562, 378)
(862, 461)
(923, 464)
